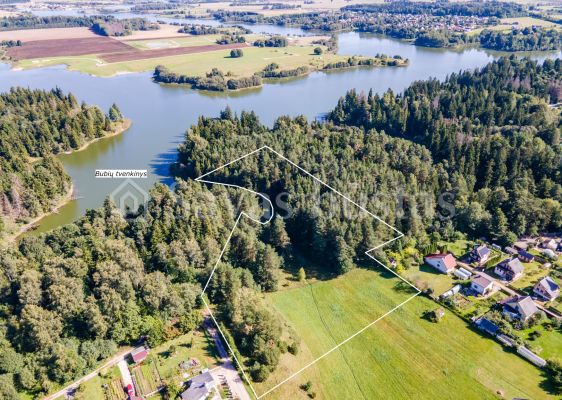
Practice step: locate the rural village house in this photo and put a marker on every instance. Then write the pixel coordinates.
(480, 254)
(199, 387)
(550, 244)
(509, 270)
(519, 307)
(525, 256)
(547, 289)
(482, 285)
(444, 263)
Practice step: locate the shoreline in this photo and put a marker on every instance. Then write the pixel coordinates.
(122, 127)
(64, 200)
(69, 195)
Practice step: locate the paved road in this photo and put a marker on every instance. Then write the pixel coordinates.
(111, 362)
(227, 370)
(125, 373)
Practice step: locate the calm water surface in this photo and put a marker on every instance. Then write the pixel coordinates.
(161, 114)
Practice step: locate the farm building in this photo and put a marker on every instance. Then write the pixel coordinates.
(519, 307)
(444, 263)
(482, 285)
(199, 387)
(139, 354)
(547, 289)
(509, 270)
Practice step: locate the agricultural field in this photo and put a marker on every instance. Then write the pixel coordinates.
(197, 64)
(398, 355)
(146, 377)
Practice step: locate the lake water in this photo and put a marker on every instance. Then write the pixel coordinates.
(161, 114)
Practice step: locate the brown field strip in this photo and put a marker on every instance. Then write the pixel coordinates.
(32, 35)
(68, 47)
(176, 51)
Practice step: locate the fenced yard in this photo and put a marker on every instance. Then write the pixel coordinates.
(146, 377)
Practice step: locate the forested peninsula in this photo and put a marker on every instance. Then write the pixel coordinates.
(36, 125)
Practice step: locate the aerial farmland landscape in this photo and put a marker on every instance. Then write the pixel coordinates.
(298, 199)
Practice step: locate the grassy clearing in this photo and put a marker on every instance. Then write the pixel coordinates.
(254, 60)
(425, 275)
(547, 345)
(165, 43)
(398, 355)
(192, 345)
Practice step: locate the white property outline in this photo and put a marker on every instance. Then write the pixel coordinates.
(400, 234)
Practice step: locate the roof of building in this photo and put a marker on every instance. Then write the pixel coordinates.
(448, 260)
(526, 254)
(482, 281)
(199, 387)
(487, 325)
(511, 250)
(524, 305)
(482, 251)
(139, 353)
(513, 265)
(549, 286)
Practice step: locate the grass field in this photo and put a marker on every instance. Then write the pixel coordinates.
(402, 356)
(193, 345)
(254, 59)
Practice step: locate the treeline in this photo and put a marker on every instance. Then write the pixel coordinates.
(231, 38)
(527, 39)
(123, 27)
(274, 41)
(362, 61)
(498, 9)
(196, 29)
(70, 297)
(215, 80)
(36, 124)
(492, 133)
(155, 6)
(58, 21)
(272, 71)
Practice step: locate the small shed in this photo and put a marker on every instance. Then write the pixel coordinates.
(139, 354)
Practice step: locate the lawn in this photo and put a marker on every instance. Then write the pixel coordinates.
(107, 385)
(548, 345)
(426, 276)
(192, 345)
(254, 60)
(403, 356)
(533, 274)
(164, 43)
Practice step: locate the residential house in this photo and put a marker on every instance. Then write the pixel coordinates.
(509, 270)
(519, 307)
(547, 289)
(139, 354)
(481, 254)
(525, 256)
(481, 285)
(550, 244)
(444, 263)
(512, 251)
(199, 387)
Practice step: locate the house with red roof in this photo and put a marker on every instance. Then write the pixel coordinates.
(444, 263)
(139, 354)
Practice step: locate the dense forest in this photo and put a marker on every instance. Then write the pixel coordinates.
(34, 126)
(527, 39)
(493, 133)
(57, 21)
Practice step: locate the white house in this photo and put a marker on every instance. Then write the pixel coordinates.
(444, 263)
(481, 254)
(547, 289)
(482, 285)
(509, 270)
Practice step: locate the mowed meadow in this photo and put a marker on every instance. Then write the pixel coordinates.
(402, 356)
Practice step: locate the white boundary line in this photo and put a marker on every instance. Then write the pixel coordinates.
(400, 234)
